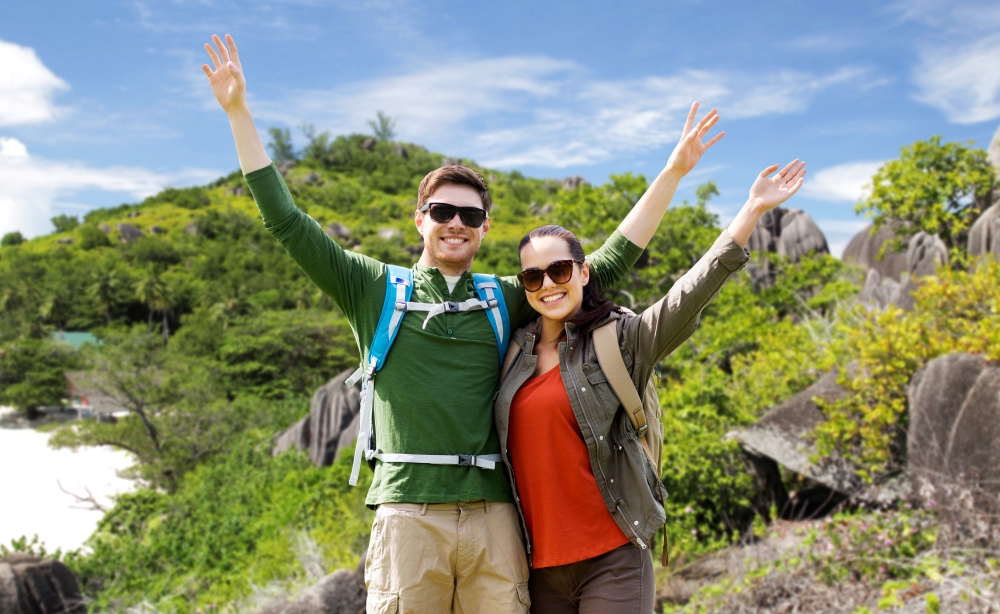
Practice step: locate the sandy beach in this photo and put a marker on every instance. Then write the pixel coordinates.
(32, 502)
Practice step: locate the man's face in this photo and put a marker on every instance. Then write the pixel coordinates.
(452, 243)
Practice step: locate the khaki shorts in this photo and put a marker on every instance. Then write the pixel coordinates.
(466, 558)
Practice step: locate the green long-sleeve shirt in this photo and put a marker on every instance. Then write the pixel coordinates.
(435, 393)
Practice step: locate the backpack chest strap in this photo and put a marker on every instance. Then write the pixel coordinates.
(435, 309)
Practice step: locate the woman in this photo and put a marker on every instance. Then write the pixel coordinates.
(589, 498)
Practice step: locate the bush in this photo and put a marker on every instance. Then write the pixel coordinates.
(234, 525)
(31, 373)
(12, 238)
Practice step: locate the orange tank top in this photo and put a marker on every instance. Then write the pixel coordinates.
(563, 508)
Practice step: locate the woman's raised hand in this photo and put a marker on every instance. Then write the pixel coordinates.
(227, 81)
(769, 192)
(690, 148)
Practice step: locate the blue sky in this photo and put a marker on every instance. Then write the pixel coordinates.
(105, 102)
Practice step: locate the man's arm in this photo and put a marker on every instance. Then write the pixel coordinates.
(230, 89)
(341, 274)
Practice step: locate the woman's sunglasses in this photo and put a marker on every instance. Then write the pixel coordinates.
(442, 213)
(560, 272)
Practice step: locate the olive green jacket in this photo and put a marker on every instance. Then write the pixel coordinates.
(627, 480)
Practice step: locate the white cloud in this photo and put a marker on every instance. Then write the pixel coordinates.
(26, 87)
(33, 187)
(844, 182)
(963, 82)
(538, 110)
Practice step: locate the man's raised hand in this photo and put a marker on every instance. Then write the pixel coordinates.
(768, 192)
(227, 81)
(691, 146)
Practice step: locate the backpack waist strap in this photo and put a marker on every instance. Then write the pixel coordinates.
(483, 461)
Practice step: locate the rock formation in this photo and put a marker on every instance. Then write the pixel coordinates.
(286, 165)
(993, 151)
(781, 436)
(30, 585)
(923, 254)
(338, 231)
(331, 426)
(984, 236)
(790, 233)
(129, 233)
(572, 183)
(953, 441)
(879, 292)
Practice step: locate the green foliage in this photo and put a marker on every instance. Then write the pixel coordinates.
(65, 223)
(957, 311)
(91, 237)
(237, 523)
(31, 373)
(875, 545)
(11, 239)
(185, 198)
(932, 187)
(383, 127)
(178, 412)
(281, 144)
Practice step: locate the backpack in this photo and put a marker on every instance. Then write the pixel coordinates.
(399, 289)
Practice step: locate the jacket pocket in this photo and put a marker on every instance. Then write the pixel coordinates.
(381, 602)
(602, 390)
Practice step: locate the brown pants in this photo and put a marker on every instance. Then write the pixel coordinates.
(464, 557)
(620, 581)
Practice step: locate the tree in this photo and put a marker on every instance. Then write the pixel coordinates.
(105, 290)
(939, 189)
(31, 373)
(705, 192)
(383, 126)
(65, 223)
(153, 292)
(281, 144)
(12, 238)
(178, 412)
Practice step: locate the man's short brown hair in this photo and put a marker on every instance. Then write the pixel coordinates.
(453, 174)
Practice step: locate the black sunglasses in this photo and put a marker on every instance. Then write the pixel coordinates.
(442, 213)
(559, 272)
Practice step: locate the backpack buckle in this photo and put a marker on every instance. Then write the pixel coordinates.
(451, 307)
(492, 303)
(466, 460)
(401, 306)
(641, 431)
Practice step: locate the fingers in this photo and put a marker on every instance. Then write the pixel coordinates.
(788, 166)
(208, 71)
(767, 171)
(690, 118)
(232, 49)
(705, 127)
(237, 73)
(709, 117)
(214, 56)
(796, 173)
(715, 140)
(798, 184)
(222, 48)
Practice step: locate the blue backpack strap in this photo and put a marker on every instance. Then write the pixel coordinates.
(398, 289)
(488, 289)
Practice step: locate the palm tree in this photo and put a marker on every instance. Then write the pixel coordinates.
(153, 292)
(104, 291)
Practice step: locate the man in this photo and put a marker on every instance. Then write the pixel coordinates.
(445, 536)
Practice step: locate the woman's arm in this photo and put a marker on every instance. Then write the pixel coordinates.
(644, 218)
(661, 328)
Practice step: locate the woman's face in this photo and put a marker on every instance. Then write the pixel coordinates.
(554, 301)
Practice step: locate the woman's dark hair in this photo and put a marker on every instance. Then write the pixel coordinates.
(595, 309)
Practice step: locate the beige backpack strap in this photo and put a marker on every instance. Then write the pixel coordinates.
(610, 358)
(513, 349)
